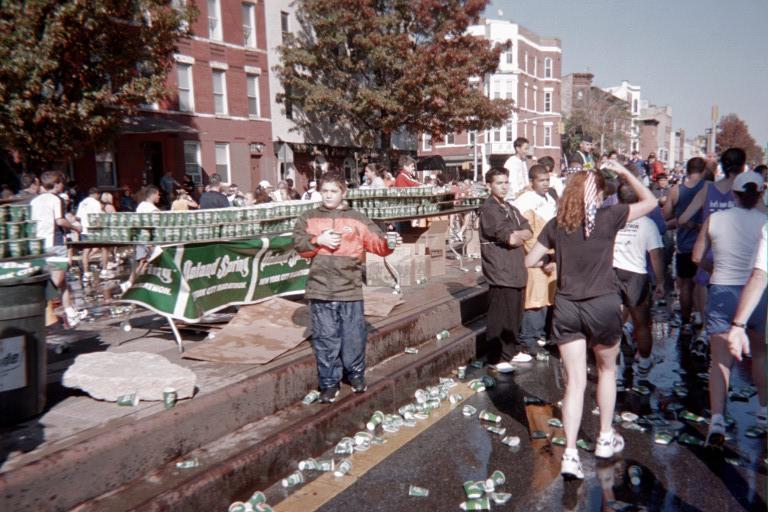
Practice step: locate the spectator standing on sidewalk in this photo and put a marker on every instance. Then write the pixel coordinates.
(213, 198)
(587, 312)
(48, 212)
(732, 235)
(405, 176)
(30, 187)
(517, 167)
(556, 181)
(583, 155)
(503, 231)
(538, 205)
(336, 238)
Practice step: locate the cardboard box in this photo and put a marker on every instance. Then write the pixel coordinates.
(432, 244)
(377, 274)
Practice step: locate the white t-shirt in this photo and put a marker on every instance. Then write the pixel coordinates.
(518, 176)
(146, 207)
(86, 206)
(761, 256)
(557, 183)
(734, 234)
(46, 208)
(633, 242)
(543, 206)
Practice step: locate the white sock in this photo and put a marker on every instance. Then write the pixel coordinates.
(644, 362)
(70, 310)
(572, 452)
(606, 435)
(717, 418)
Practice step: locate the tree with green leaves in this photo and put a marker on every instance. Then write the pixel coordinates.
(376, 67)
(70, 70)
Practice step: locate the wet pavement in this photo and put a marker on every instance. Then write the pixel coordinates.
(675, 477)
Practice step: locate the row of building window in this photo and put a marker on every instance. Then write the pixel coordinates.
(248, 12)
(220, 103)
(509, 58)
(509, 94)
(496, 135)
(193, 161)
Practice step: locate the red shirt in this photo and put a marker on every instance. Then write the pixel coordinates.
(405, 180)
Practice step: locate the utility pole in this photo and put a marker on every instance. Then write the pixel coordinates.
(715, 118)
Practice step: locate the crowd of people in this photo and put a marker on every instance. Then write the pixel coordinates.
(581, 267)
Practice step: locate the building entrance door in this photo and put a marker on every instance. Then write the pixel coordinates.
(255, 171)
(153, 163)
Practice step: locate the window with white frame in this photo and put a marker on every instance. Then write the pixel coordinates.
(510, 57)
(254, 108)
(105, 169)
(496, 89)
(509, 90)
(426, 142)
(472, 138)
(186, 94)
(525, 61)
(219, 92)
(497, 135)
(214, 20)
(525, 97)
(450, 139)
(535, 66)
(222, 161)
(284, 26)
(249, 25)
(547, 101)
(179, 6)
(533, 135)
(193, 166)
(509, 130)
(547, 136)
(548, 67)
(635, 106)
(535, 98)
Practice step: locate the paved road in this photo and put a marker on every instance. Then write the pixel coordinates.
(451, 449)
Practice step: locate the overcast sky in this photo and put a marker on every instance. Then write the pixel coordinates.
(685, 53)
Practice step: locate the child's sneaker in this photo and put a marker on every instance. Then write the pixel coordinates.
(358, 384)
(570, 466)
(716, 434)
(329, 395)
(609, 445)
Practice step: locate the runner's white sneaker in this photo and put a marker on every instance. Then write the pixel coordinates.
(521, 357)
(570, 466)
(505, 367)
(609, 445)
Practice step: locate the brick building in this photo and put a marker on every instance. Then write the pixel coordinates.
(607, 117)
(656, 134)
(216, 120)
(528, 74)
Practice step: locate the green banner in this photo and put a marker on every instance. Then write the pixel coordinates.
(186, 282)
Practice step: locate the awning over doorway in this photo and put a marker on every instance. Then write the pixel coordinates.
(153, 124)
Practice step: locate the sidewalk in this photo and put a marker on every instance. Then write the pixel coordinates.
(79, 437)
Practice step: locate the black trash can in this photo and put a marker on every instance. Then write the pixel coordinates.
(23, 358)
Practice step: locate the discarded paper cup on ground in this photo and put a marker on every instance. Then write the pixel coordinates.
(128, 400)
(169, 397)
